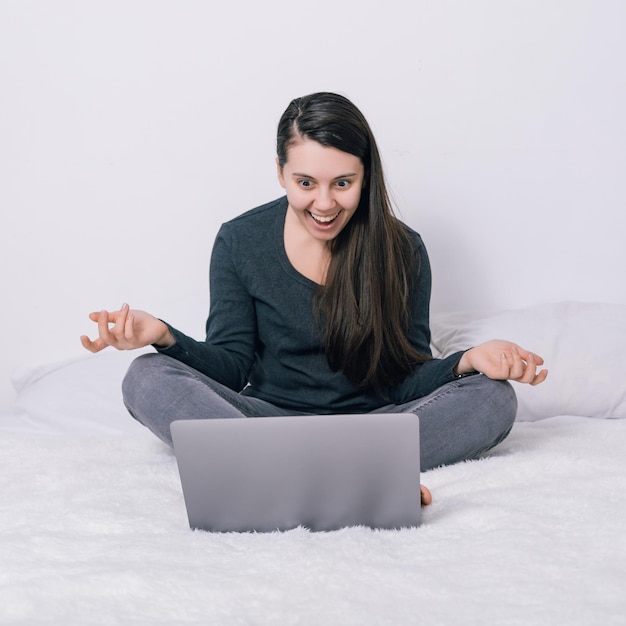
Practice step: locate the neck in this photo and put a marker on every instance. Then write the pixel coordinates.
(309, 256)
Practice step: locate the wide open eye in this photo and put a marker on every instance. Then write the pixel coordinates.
(305, 183)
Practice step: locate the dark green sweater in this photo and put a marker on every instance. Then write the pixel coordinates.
(261, 331)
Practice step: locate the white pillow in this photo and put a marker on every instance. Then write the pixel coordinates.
(583, 345)
(82, 395)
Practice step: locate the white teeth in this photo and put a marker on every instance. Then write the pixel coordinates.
(324, 220)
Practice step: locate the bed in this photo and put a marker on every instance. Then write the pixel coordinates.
(94, 529)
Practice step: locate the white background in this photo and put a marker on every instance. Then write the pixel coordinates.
(130, 130)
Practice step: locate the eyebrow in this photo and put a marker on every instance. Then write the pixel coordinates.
(300, 175)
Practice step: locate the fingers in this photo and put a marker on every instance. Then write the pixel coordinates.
(504, 360)
(523, 368)
(117, 333)
(541, 376)
(129, 326)
(517, 367)
(526, 369)
(114, 329)
(103, 328)
(92, 346)
(119, 330)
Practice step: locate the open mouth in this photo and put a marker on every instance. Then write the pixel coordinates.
(324, 220)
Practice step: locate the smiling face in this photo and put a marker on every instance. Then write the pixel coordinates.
(323, 187)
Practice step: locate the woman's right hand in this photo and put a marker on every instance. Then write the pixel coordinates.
(127, 329)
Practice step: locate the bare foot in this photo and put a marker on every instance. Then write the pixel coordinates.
(426, 496)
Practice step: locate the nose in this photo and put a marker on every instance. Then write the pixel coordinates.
(324, 200)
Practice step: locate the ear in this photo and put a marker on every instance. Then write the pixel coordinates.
(279, 171)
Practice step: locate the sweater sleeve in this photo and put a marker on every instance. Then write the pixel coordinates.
(426, 378)
(227, 353)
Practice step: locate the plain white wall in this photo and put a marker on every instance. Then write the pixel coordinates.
(130, 130)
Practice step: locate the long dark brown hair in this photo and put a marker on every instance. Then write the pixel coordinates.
(364, 303)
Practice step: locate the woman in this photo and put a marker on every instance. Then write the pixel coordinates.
(320, 304)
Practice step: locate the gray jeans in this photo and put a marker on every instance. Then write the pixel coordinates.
(460, 420)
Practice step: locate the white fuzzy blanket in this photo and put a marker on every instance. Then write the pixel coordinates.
(94, 531)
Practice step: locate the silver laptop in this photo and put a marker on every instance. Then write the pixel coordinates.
(322, 472)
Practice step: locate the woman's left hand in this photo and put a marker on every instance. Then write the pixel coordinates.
(503, 360)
